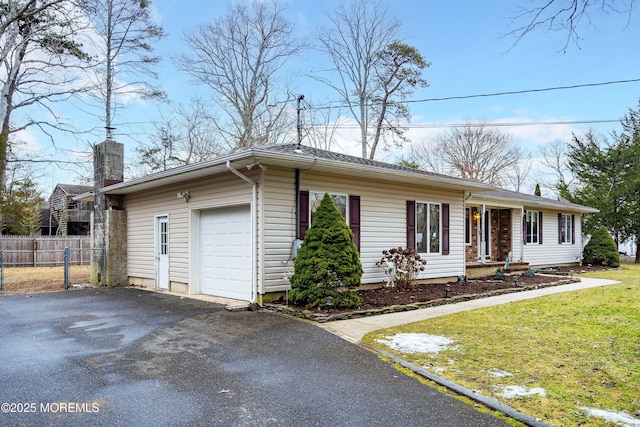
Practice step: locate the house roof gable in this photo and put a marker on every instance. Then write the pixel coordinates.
(74, 189)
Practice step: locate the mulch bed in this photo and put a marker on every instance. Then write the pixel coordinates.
(389, 300)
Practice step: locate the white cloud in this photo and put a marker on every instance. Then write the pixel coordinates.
(26, 142)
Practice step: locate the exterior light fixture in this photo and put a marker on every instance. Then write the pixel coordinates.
(476, 215)
(447, 289)
(185, 195)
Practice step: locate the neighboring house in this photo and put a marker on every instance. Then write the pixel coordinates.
(47, 226)
(230, 226)
(66, 216)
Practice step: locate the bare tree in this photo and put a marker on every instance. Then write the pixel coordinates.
(239, 57)
(40, 64)
(320, 126)
(554, 161)
(472, 151)
(187, 137)
(352, 41)
(519, 174)
(125, 36)
(565, 16)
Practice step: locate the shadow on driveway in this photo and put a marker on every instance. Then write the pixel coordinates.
(124, 357)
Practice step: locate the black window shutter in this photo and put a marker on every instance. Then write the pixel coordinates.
(539, 228)
(304, 213)
(411, 224)
(524, 228)
(559, 228)
(354, 218)
(445, 229)
(573, 229)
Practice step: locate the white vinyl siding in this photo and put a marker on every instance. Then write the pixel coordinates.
(382, 222)
(279, 227)
(550, 252)
(209, 192)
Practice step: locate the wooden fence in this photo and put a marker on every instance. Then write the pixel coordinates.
(40, 251)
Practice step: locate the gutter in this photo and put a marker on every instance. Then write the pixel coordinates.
(254, 221)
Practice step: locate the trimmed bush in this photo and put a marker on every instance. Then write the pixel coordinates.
(407, 264)
(328, 262)
(601, 249)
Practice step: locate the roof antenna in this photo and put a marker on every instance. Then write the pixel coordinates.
(300, 98)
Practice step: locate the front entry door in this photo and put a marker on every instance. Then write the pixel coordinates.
(162, 252)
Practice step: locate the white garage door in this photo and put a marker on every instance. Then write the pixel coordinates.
(225, 252)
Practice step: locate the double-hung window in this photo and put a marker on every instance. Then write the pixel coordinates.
(565, 230)
(428, 227)
(340, 200)
(348, 205)
(531, 226)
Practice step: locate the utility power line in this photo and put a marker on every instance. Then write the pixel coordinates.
(340, 104)
(518, 92)
(485, 124)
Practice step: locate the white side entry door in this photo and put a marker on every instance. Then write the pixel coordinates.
(162, 252)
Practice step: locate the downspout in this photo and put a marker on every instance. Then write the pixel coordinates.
(522, 237)
(483, 234)
(297, 204)
(254, 201)
(466, 197)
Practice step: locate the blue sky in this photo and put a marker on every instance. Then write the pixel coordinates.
(463, 41)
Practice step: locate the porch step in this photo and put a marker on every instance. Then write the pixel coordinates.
(479, 269)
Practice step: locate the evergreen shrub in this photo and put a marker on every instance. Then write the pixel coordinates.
(328, 262)
(601, 249)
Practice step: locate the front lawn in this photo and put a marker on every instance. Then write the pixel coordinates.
(569, 359)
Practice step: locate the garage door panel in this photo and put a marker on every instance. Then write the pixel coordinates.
(225, 252)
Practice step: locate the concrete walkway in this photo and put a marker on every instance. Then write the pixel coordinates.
(355, 329)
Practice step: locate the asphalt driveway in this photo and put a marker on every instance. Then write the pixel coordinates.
(124, 357)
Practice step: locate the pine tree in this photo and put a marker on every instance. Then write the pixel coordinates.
(537, 191)
(328, 262)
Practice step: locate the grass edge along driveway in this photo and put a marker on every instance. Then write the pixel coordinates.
(568, 359)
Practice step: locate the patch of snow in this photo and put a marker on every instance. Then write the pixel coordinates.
(418, 343)
(516, 391)
(620, 418)
(499, 373)
(82, 285)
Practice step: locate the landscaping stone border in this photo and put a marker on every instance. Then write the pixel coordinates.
(328, 317)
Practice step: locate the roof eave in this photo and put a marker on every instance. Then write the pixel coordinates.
(534, 204)
(303, 162)
(329, 165)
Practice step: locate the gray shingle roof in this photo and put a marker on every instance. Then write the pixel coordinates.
(344, 158)
(530, 199)
(74, 189)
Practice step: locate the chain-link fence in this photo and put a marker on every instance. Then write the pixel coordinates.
(1, 271)
(83, 267)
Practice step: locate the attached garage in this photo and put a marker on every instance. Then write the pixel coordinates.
(224, 252)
